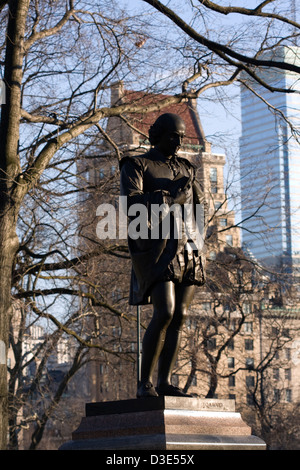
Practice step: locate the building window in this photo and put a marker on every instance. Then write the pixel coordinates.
(249, 381)
(246, 309)
(101, 173)
(276, 395)
(117, 331)
(116, 294)
(231, 381)
(217, 205)
(275, 331)
(230, 362)
(250, 399)
(288, 395)
(211, 343)
(213, 175)
(231, 396)
(223, 222)
(287, 353)
(276, 374)
(212, 255)
(248, 326)
(206, 306)
(287, 374)
(229, 240)
(231, 345)
(249, 344)
(249, 363)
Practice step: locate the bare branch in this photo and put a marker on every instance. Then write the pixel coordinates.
(223, 51)
(226, 10)
(37, 35)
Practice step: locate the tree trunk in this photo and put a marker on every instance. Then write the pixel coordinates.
(9, 187)
(8, 247)
(213, 381)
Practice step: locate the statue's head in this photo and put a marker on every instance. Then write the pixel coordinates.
(167, 133)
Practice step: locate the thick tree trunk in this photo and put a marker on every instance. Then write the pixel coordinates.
(8, 247)
(10, 194)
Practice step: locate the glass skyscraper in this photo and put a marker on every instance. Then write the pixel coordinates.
(270, 166)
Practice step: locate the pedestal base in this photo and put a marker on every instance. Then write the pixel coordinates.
(163, 423)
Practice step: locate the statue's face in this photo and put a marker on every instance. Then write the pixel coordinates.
(171, 140)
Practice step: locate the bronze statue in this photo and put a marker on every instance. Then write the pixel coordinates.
(165, 268)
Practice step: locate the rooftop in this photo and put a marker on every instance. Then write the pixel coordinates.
(187, 110)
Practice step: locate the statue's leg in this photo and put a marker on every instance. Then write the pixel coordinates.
(184, 295)
(163, 300)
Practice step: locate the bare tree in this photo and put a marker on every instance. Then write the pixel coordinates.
(239, 340)
(59, 60)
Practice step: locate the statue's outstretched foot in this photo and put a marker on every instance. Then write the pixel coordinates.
(171, 391)
(146, 389)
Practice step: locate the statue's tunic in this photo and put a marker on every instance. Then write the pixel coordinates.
(152, 179)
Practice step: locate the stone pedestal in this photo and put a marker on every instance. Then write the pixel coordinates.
(166, 423)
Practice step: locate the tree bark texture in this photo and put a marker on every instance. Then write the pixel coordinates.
(10, 196)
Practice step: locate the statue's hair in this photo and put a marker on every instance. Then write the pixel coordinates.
(162, 124)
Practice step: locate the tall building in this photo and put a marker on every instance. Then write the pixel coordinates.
(270, 165)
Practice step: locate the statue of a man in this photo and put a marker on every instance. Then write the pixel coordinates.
(166, 269)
